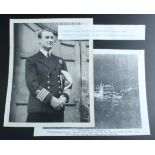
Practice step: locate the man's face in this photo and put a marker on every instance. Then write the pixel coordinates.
(47, 40)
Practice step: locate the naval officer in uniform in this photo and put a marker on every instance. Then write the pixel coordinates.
(48, 82)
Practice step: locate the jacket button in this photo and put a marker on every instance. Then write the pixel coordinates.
(48, 81)
(58, 81)
(48, 87)
(59, 92)
(58, 75)
(48, 76)
(59, 87)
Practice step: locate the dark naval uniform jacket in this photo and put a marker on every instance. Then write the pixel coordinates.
(43, 81)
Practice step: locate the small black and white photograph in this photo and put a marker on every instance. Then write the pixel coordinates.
(49, 82)
(116, 91)
(119, 90)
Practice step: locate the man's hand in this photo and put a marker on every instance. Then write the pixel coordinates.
(62, 100)
(55, 103)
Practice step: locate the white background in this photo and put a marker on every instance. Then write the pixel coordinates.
(77, 6)
(77, 147)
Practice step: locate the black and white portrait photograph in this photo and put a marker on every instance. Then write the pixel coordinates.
(49, 81)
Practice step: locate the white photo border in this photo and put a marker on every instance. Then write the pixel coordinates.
(85, 21)
(144, 130)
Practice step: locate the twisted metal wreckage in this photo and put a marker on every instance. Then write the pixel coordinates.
(107, 92)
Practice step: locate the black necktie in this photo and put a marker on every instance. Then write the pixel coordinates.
(48, 59)
(48, 55)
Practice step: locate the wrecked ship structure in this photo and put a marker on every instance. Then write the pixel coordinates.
(109, 92)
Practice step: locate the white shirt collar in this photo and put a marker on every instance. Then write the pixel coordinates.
(44, 52)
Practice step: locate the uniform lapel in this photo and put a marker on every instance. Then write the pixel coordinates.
(53, 62)
(43, 59)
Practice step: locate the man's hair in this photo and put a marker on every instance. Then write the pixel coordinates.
(40, 33)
